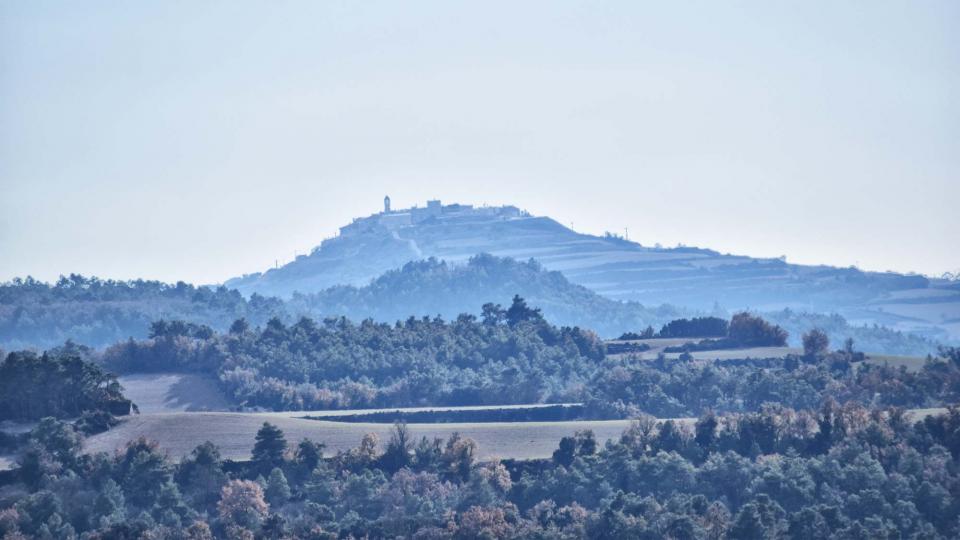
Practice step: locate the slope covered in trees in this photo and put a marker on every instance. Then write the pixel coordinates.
(432, 287)
(99, 312)
(513, 356)
(510, 356)
(836, 472)
(620, 269)
(59, 384)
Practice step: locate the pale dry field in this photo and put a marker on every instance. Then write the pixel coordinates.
(179, 433)
(737, 354)
(234, 433)
(174, 392)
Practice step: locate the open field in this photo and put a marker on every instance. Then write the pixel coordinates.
(174, 392)
(657, 345)
(179, 433)
(736, 354)
(234, 433)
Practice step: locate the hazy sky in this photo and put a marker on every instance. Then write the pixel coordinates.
(202, 140)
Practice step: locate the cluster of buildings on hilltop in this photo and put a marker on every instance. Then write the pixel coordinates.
(392, 220)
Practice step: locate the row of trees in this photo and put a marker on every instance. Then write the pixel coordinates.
(678, 328)
(838, 472)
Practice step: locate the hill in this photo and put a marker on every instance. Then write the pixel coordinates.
(99, 312)
(432, 287)
(616, 268)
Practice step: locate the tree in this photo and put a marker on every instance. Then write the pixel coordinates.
(706, 431)
(309, 455)
(458, 457)
(278, 490)
(269, 447)
(816, 343)
(750, 330)
(397, 454)
(566, 451)
(239, 326)
(201, 475)
(492, 314)
(242, 504)
(199, 530)
(110, 505)
(143, 471)
(274, 527)
(58, 440)
(519, 312)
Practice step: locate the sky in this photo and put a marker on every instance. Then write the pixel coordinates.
(198, 141)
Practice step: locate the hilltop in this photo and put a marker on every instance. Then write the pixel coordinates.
(616, 268)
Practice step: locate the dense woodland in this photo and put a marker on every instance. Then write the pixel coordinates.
(59, 384)
(815, 445)
(432, 287)
(507, 356)
(836, 472)
(99, 313)
(513, 356)
(626, 387)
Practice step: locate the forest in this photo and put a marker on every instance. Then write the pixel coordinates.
(57, 384)
(813, 445)
(98, 313)
(840, 471)
(513, 356)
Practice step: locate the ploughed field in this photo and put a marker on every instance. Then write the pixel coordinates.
(180, 432)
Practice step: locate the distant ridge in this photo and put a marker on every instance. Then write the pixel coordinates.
(432, 287)
(616, 268)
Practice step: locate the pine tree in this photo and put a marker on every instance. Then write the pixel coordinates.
(278, 490)
(110, 505)
(269, 448)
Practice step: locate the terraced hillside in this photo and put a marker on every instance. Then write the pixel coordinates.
(618, 269)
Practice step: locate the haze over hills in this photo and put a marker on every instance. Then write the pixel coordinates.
(99, 313)
(699, 279)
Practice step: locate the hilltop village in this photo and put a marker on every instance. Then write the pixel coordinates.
(391, 220)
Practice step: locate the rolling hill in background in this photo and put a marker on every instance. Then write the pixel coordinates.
(99, 313)
(432, 287)
(615, 268)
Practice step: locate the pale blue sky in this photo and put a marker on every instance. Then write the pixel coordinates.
(202, 140)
